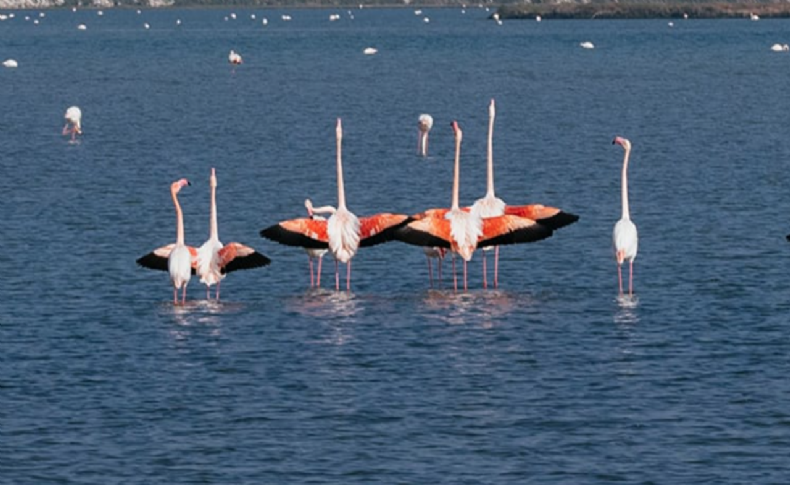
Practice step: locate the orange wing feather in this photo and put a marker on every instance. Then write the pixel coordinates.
(234, 256)
(551, 217)
(509, 229)
(380, 228)
(428, 231)
(303, 232)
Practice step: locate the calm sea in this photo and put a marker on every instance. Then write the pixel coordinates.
(547, 380)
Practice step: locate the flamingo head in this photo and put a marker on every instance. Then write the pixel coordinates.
(339, 129)
(212, 180)
(425, 123)
(618, 140)
(308, 204)
(459, 135)
(178, 184)
(491, 109)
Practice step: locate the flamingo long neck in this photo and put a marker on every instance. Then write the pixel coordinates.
(626, 214)
(213, 227)
(457, 171)
(341, 194)
(179, 220)
(491, 115)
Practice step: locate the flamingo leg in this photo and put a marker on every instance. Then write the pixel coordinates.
(217, 295)
(318, 279)
(184, 295)
(430, 270)
(348, 275)
(175, 296)
(455, 276)
(465, 287)
(310, 263)
(620, 278)
(496, 267)
(337, 276)
(485, 271)
(439, 264)
(631, 278)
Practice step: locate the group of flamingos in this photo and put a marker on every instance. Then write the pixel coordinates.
(488, 223)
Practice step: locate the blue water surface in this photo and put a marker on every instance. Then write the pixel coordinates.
(549, 379)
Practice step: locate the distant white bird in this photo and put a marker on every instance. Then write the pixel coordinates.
(234, 58)
(100, 13)
(495, 16)
(538, 18)
(424, 125)
(333, 17)
(146, 26)
(754, 16)
(671, 24)
(587, 45)
(418, 12)
(369, 51)
(624, 236)
(10, 63)
(286, 18)
(233, 16)
(73, 124)
(82, 27)
(780, 47)
(265, 21)
(426, 20)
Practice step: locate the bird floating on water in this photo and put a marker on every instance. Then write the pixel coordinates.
(587, 45)
(73, 124)
(10, 63)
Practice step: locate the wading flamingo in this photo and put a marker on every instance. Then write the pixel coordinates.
(462, 231)
(492, 206)
(312, 213)
(424, 125)
(73, 124)
(234, 58)
(177, 259)
(215, 260)
(624, 235)
(343, 233)
(438, 254)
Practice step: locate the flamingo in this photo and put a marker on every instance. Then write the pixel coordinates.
(424, 125)
(177, 259)
(316, 253)
(492, 206)
(215, 260)
(234, 58)
(625, 236)
(73, 124)
(343, 233)
(462, 231)
(438, 254)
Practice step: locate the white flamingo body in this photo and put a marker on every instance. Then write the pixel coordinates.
(624, 236)
(424, 125)
(73, 125)
(234, 58)
(179, 265)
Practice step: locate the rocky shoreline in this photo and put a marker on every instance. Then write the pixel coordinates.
(612, 10)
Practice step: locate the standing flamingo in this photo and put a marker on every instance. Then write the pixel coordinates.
(316, 253)
(73, 124)
(215, 260)
(343, 233)
(234, 58)
(438, 254)
(492, 206)
(424, 126)
(177, 259)
(462, 231)
(624, 235)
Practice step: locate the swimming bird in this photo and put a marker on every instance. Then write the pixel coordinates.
(587, 45)
(73, 124)
(343, 233)
(312, 213)
(10, 63)
(235, 58)
(177, 259)
(625, 236)
(462, 231)
(215, 260)
(424, 125)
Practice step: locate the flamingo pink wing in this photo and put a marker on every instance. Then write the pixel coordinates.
(551, 217)
(303, 232)
(429, 231)
(234, 256)
(510, 229)
(380, 228)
